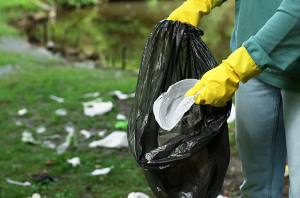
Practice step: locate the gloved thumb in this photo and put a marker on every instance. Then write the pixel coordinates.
(198, 86)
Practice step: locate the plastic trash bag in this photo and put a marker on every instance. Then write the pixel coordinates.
(192, 158)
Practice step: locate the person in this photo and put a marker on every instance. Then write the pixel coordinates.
(264, 73)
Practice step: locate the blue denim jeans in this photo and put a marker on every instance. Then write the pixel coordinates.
(267, 128)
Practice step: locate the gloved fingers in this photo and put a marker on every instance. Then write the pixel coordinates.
(198, 86)
(200, 99)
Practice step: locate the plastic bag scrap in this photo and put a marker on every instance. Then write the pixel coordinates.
(191, 159)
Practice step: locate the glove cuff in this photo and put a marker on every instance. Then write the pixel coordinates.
(242, 64)
(192, 10)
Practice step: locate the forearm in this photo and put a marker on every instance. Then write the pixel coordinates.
(277, 43)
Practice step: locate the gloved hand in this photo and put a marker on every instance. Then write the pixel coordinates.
(221, 82)
(192, 10)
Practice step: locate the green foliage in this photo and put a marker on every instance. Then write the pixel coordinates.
(77, 3)
(27, 5)
(217, 27)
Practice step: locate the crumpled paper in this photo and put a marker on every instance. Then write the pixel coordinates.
(116, 139)
(28, 138)
(18, 183)
(102, 171)
(57, 99)
(137, 195)
(86, 133)
(97, 108)
(22, 112)
(74, 161)
(96, 94)
(122, 96)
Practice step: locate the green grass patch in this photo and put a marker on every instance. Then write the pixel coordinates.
(30, 84)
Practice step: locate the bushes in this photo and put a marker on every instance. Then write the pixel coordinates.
(76, 3)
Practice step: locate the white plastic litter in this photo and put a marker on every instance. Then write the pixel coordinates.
(22, 112)
(40, 129)
(121, 117)
(57, 99)
(221, 196)
(102, 171)
(137, 195)
(62, 147)
(36, 195)
(98, 108)
(61, 112)
(18, 183)
(86, 133)
(55, 136)
(49, 144)
(232, 114)
(74, 161)
(102, 133)
(69, 129)
(170, 106)
(28, 138)
(122, 96)
(116, 139)
(96, 94)
(92, 102)
(18, 123)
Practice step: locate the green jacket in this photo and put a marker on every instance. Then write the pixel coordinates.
(270, 31)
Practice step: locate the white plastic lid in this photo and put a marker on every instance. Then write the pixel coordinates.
(170, 106)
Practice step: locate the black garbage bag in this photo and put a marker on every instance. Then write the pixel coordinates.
(191, 160)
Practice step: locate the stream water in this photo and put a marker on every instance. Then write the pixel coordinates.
(114, 30)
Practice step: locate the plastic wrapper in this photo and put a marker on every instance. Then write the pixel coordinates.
(192, 158)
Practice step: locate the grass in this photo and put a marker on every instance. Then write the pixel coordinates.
(29, 86)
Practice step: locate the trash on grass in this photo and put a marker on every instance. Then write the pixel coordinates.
(121, 117)
(96, 94)
(102, 133)
(137, 195)
(57, 99)
(221, 196)
(121, 125)
(61, 112)
(49, 144)
(62, 147)
(97, 108)
(116, 139)
(72, 140)
(35, 195)
(86, 133)
(91, 102)
(40, 129)
(102, 171)
(122, 96)
(43, 177)
(74, 161)
(69, 129)
(22, 112)
(28, 138)
(18, 183)
(232, 114)
(18, 123)
(55, 136)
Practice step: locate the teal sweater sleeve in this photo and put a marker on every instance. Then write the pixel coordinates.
(277, 44)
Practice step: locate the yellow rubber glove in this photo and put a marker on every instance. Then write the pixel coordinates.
(221, 82)
(192, 10)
